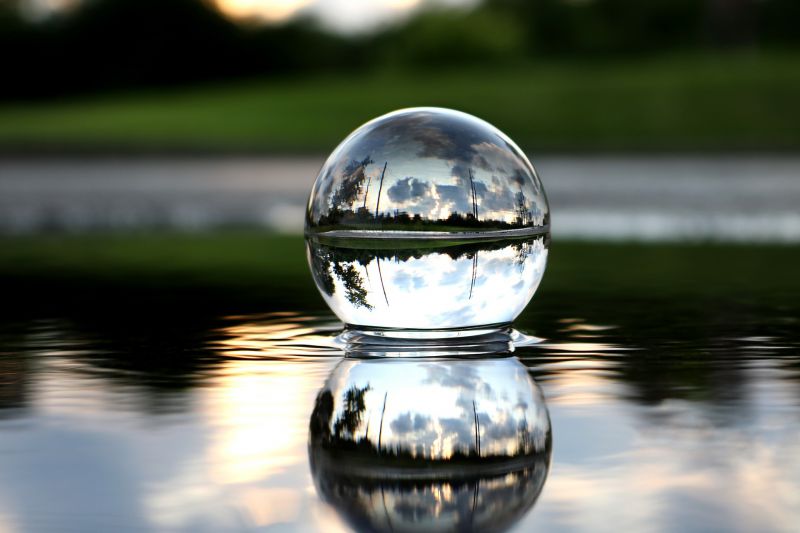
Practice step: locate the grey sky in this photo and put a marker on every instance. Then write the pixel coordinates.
(343, 16)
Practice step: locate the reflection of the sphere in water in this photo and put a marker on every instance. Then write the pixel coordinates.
(430, 443)
(428, 285)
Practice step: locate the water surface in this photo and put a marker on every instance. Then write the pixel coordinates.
(668, 413)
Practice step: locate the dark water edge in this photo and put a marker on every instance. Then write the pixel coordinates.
(172, 390)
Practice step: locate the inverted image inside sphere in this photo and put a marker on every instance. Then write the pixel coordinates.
(427, 169)
(418, 284)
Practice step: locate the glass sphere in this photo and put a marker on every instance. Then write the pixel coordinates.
(417, 444)
(427, 219)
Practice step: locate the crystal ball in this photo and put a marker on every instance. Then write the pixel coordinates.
(427, 219)
(464, 443)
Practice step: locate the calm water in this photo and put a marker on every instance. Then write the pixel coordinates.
(667, 414)
(671, 381)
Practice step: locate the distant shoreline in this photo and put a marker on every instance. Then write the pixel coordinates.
(656, 198)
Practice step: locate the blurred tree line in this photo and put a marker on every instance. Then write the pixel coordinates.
(112, 44)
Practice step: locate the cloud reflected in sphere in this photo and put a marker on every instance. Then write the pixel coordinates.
(427, 218)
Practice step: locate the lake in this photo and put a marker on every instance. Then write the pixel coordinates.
(170, 394)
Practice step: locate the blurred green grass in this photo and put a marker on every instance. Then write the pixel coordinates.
(691, 102)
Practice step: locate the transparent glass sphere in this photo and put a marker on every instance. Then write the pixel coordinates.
(427, 219)
(417, 444)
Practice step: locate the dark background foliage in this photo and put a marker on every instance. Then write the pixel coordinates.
(114, 44)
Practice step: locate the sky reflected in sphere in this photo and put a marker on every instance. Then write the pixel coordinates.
(427, 169)
(444, 285)
(427, 218)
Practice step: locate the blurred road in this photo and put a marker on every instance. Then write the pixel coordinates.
(650, 198)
